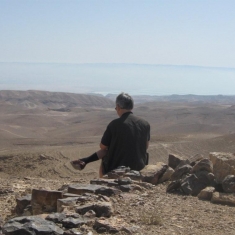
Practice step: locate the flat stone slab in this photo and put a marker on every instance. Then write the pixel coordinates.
(101, 181)
(70, 201)
(134, 175)
(92, 188)
(117, 173)
(56, 217)
(28, 225)
(66, 195)
(71, 222)
(79, 200)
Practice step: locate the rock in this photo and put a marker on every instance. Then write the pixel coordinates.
(223, 198)
(90, 214)
(66, 195)
(102, 209)
(71, 222)
(83, 188)
(125, 188)
(189, 183)
(5, 190)
(134, 175)
(120, 171)
(63, 188)
(130, 187)
(31, 225)
(73, 231)
(92, 188)
(112, 184)
(173, 186)
(44, 201)
(56, 217)
(101, 181)
(22, 203)
(183, 162)
(206, 193)
(228, 184)
(103, 198)
(112, 225)
(180, 171)
(223, 165)
(203, 165)
(104, 230)
(136, 187)
(123, 181)
(113, 175)
(152, 173)
(107, 191)
(174, 160)
(70, 201)
(167, 175)
(195, 159)
(131, 229)
(27, 211)
(193, 184)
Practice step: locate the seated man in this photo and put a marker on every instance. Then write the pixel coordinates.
(125, 141)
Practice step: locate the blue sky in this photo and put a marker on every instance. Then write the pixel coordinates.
(179, 32)
(164, 32)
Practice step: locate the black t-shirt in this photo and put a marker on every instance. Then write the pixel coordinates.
(126, 138)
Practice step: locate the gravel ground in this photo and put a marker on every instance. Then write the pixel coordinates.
(150, 211)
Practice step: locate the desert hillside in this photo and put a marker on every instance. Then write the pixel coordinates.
(32, 121)
(41, 132)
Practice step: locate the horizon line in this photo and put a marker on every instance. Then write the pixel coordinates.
(136, 64)
(100, 93)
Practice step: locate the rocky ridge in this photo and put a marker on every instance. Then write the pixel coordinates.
(130, 202)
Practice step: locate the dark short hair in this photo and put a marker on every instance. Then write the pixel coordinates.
(125, 101)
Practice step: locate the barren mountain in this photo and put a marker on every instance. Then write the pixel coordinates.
(199, 99)
(53, 100)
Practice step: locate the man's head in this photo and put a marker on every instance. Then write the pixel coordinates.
(124, 101)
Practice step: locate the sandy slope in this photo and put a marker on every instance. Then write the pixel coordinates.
(37, 144)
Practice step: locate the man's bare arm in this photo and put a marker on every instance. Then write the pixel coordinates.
(147, 145)
(103, 147)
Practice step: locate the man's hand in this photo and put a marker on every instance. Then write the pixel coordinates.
(78, 164)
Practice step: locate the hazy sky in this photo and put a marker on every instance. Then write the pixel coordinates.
(179, 32)
(147, 32)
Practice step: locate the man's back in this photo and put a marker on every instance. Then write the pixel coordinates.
(124, 142)
(126, 138)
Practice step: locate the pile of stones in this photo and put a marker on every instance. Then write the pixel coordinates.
(76, 208)
(210, 178)
(85, 208)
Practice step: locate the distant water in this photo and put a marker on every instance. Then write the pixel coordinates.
(114, 78)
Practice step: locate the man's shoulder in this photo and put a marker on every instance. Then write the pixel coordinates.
(114, 121)
(139, 119)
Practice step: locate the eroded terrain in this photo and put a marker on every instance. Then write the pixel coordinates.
(37, 143)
